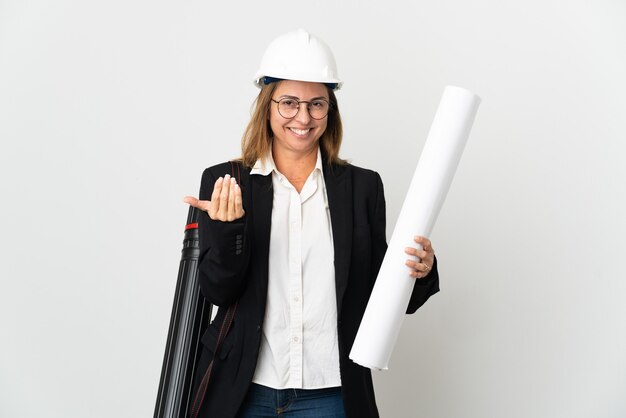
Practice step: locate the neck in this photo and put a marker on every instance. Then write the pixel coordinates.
(296, 167)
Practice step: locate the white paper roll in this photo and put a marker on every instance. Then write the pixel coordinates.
(440, 157)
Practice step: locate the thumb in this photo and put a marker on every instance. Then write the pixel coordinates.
(200, 204)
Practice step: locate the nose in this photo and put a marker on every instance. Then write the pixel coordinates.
(303, 115)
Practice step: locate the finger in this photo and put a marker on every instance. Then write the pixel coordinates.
(238, 202)
(418, 274)
(413, 251)
(427, 252)
(419, 270)
(419, 266)
(412, 264)
(217, 189)
(231, 201)
(425, 255)
(222, 211)
(196, 203)
(190, 200)
(215, 197)
(423, 241)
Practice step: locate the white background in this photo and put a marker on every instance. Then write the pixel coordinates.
(109, 112)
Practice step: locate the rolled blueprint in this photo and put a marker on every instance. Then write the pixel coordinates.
(433, 175)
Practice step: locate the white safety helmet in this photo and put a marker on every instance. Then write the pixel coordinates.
(298, 55)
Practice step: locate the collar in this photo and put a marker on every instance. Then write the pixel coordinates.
(266, 165)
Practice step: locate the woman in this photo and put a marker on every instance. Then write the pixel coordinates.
(295, 237)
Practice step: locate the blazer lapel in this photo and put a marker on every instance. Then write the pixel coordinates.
(260, 204)
(338, 182)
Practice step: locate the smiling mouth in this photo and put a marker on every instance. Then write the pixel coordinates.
(300, 131)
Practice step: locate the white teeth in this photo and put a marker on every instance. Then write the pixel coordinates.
(300, 131)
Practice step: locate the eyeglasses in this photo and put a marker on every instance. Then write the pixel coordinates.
(288, 107)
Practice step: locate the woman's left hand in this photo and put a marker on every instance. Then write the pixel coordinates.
(426, 255)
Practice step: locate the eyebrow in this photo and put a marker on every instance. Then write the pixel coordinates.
(286, 96)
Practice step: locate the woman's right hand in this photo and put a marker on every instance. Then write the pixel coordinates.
(226, 204)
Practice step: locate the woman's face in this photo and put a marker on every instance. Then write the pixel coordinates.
(299, 135)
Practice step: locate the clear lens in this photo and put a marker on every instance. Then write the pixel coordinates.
(288, 108)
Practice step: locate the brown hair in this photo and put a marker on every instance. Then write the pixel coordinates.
(258, 135)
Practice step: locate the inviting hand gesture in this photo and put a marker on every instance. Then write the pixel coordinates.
(226, 204)
(420, 269)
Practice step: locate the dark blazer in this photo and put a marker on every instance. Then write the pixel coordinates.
(234, 266)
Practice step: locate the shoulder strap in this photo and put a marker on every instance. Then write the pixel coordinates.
(204, 384)
(240, 172)
(234, 166)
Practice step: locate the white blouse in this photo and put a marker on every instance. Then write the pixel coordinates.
(299, 345)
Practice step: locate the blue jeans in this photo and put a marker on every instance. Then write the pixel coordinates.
(264, 402)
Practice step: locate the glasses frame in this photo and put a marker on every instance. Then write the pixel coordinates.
(299, 102)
